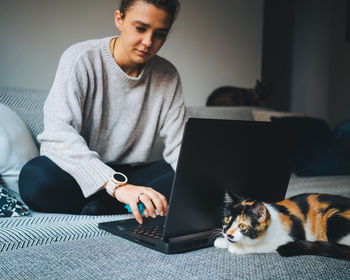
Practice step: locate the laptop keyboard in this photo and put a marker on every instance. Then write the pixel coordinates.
(154, 232)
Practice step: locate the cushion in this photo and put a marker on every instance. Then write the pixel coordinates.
(17, 146)
(318, 150)
(265, 115)
(28, 104)
(10, 206)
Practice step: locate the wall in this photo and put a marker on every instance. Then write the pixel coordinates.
(311, 45)
(306, 56)
(213, 43)
(277, 48)
(339, 90)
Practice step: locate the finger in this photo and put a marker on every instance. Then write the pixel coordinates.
(165, 203)
(136, 213)
(145, 213)
(148, 204)
(157, 202)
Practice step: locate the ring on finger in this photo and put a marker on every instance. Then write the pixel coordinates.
(138, 198)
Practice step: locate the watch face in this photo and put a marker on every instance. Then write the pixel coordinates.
(119, 177)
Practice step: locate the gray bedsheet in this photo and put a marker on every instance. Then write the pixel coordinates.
(111, 257)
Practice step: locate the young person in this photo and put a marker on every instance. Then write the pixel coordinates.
(110, 100)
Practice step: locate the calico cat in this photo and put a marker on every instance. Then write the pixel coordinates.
(306, 224)
(236, 96)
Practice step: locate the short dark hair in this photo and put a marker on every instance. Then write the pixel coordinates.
(172, 7)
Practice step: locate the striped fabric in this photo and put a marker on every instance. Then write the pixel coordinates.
(16, 233)
(28, 104)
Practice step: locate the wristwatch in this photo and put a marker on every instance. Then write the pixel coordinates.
(115, 181)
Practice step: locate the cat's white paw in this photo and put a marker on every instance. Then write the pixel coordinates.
(221, 243)
(234, 249)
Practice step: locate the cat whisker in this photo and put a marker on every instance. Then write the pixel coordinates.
(216, 233)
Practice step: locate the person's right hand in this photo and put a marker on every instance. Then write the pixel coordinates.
(131, 194)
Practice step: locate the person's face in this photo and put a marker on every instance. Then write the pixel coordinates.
(143, 31)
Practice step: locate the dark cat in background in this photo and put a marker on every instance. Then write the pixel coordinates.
(236, 96)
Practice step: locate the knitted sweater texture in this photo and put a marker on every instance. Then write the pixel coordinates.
(96, 114)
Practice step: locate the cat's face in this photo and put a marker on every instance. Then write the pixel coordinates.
(245, 221)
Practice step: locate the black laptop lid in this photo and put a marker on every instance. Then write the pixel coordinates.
(252, 159)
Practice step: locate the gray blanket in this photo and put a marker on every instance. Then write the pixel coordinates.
(111, 257)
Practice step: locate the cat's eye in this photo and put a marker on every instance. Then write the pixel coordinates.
(242, 226)
(227, 220)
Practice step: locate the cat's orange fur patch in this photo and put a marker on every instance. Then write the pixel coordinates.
(286, 222)
(248, 203)
(317, 219)
(346, 214)
(293, 209)
(231, 231)
(263, 226)
(261, 234)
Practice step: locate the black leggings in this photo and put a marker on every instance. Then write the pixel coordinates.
(45, 187)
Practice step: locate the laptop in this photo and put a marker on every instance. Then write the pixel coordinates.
(251, 159)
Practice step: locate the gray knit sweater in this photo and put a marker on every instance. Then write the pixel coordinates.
(96, 114)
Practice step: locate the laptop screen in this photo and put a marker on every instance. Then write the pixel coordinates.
(252, 159)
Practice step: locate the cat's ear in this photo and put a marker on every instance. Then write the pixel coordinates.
(259, 209)
(232, 198)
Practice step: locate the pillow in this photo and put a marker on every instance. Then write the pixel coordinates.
(265, 116)
(318, 150)
(10, 206)
(28, 104)
(17, 146)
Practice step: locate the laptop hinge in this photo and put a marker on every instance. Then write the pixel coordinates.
(181, 238)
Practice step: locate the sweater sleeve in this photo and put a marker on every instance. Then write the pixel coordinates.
(173, 126)
(61, 140)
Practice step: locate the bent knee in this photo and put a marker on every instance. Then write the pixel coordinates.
(44, 186)
(33, 180)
